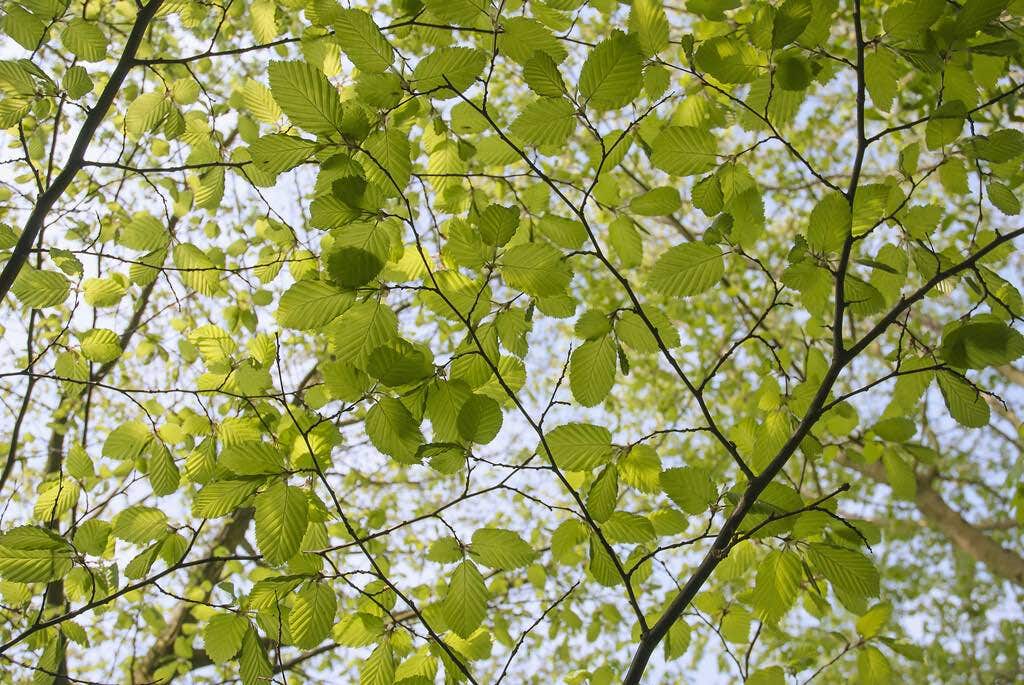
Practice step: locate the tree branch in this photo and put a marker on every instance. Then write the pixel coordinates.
(76, 159)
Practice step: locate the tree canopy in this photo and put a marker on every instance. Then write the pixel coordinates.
(535, 341)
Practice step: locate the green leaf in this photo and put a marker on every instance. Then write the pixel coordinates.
(391, 162)
(362, 329)
(830, 223)
(277, 152)
(612, 73)
(260, 101)
(479, 419)
(690, 488)
(601, 565)
(164, 476)
(103, 292)
(92, 537)
(579, 446)
(222, 497)
(498, 224)
(641, 469)
(223, 636)
(306, 96)
(1000, 146)
(252, 458)
(592, 371)
(707, 195)
(379, 667)
(399, 364)
(101, 345)
(907, 21)
(139, 524)
(729, 60)
(684, 150)
(979, 342)
(648, 21)
(282, 514)
(33, 555)
(56, 499)
(447, 68)
(39, 288)
(394, 431)
(79, 464)
(773, 675)
(523, 39)
(465, 605)
(197, 270)
(944, 124)
(561, 231)
(853, 576)
(871, 623)
(687, 269)
(352, 267)
(144, 233)
(362, 41)
(501, 549)
(881, 74)
(127, 440)
(777, 585)
(1003, 198)
(603, 494)
(966, 405)
(873, 666)
(536, 269)
(656, 202)
(25, 28)
(625, 527)
(791, 18)
(793, 72)
(254, 666)
(146, 113)
(548, 121)
(456, 11)
(974, 15)
(542, 76)
(358, 630)
(312, 615)
(85, 40)
(77, 82)
(625, 241)
(312, 304)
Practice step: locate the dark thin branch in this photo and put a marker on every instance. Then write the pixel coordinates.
(76, 159)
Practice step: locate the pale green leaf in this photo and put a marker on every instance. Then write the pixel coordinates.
(362, 41)
(648, 21)
(223, 636)
(33, 555)
(85, 40)
(501, 549)
(306, 96)
(592, 370)
(684, 150)
(687, 269)
(312, 615)
(282, 514)
(579, 446)
(689, 487)
(611, 76)
(39, 288)
(393, 430)
(311, 304)
(465, 605)
(548, 121)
